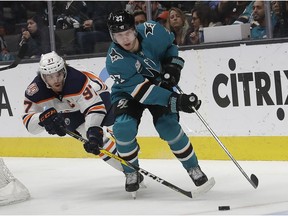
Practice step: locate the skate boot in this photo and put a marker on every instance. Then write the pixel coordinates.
(197, 176)
(132, 181)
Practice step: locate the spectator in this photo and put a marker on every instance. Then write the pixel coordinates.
(259, 31)
(202, 16)
(156, 8)
(11, 13)
(70, 14)
(280, 10)
(4, 52)
(94, 26)
(37, 37)
(67, 22)
(163, 19)
(178, 25)
(132, 6)
(228, 12)
(246, 16)
(185, 6)
(139, 16)
(276, 7)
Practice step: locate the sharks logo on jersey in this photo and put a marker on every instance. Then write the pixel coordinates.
(149, 28)
(148, 69)
(115, 55)
(117, 79)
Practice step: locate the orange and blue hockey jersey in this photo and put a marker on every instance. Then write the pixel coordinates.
(84, 99)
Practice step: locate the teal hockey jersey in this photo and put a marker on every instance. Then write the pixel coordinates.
(137, 75)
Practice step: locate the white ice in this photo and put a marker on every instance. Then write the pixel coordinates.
(91, 187)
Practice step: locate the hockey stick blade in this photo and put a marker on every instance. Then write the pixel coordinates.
(18, 59)
(203, 188)
(191, 194)
(253, 180)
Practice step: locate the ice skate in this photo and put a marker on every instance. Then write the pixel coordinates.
(133, 181)
(197, 175)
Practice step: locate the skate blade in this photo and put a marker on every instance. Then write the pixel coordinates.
(142, 185)
(133, 194)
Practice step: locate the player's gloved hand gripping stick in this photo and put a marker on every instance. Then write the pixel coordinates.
(52, 122)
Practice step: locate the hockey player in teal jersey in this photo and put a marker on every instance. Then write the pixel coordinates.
(144, 64)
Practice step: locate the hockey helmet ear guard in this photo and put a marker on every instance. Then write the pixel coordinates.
(120, 21)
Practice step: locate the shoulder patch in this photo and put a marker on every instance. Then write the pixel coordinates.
(32, 89)
(149, 28)
(114, 55)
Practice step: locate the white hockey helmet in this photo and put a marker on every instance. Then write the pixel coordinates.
(51, 63)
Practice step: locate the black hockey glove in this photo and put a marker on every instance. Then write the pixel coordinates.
(95, 137)
(171, 71)
(183, 102)
(52, 122)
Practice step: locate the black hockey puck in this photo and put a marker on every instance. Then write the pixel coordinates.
(223, 208)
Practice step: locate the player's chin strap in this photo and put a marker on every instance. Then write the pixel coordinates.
(253, 179)
(191, 194)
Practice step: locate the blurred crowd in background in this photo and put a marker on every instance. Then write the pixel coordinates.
(79, 27)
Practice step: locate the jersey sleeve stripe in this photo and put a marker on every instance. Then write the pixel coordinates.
(100, 103)
(26, 119)
(142, 91)
(147, 93)
(98, 112)
(99, 108)
(138, 88)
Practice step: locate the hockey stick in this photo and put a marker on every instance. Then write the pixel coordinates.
(19, 57)
(253, 179)
(191, 194)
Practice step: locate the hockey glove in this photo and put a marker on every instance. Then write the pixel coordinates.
(171, 71)
(183, 102)
(52, 122)
(95, 137)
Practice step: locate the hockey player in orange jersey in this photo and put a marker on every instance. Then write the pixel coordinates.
(62, 96)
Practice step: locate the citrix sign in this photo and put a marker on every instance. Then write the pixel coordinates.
(264, 88)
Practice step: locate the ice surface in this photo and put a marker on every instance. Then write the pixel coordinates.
(91, 187)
